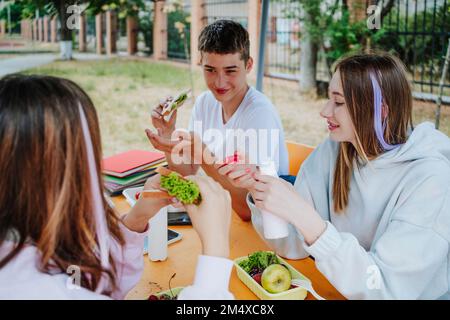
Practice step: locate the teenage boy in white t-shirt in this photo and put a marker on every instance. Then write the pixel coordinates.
(231, 108)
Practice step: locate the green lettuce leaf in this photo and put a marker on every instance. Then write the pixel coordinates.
(184, 190)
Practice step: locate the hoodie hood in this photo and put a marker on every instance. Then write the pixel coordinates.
(424, 142)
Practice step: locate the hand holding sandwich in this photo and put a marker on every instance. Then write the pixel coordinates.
(146, 207)
(164, 116)
(207, 203)
(212, 217)
(165, 128)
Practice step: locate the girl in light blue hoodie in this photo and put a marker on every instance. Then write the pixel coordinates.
(371, 204)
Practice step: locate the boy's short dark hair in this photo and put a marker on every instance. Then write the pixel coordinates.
(223, 37)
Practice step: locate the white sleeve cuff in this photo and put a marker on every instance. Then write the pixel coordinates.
(326, 245)
(213, 273)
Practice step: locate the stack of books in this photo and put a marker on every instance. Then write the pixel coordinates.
(130, 169)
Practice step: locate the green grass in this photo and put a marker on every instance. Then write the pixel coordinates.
(159, 74)
(123, 92)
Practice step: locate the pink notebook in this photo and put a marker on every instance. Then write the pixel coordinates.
(126, 163)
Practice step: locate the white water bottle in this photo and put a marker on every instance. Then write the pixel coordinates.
(274, 226)
(157, 236)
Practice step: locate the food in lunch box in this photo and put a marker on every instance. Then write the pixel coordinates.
(175, 103)
(276, 278)
(258, 261)
(257, 277)
(266, 270)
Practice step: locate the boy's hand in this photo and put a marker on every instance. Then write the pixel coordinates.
(165, 127)
(160, 142)
(211, 219)
(187, 148)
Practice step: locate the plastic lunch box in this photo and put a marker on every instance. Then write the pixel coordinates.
(260, 292)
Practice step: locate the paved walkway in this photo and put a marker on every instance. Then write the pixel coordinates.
(20, 63)
(28, 61)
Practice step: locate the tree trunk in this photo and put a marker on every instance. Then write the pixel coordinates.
(65, 32)
(308, 60)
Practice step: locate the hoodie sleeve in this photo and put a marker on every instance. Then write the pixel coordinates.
(23, 279)
(129, 260)
(406, 259)
(211, 280)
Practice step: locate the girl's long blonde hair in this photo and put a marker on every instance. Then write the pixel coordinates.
(355, 72)
(45, 196)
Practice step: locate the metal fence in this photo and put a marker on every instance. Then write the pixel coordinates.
(178, 29)
(418, 31)
(236, 10)
(283, 42)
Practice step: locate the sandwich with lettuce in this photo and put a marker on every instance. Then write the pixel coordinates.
(174, 185)
(175, 103)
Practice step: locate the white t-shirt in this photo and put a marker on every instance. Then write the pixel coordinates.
(255, 129)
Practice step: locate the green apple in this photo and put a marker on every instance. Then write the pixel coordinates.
(276, 278)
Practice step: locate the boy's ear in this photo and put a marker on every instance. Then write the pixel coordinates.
(249, 65)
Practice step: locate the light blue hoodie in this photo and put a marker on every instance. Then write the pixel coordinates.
(392, 241)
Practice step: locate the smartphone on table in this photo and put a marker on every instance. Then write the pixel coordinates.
(172, 236)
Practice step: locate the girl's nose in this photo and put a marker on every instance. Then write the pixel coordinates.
(327, 110)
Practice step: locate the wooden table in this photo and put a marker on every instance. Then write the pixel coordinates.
(182, 259)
